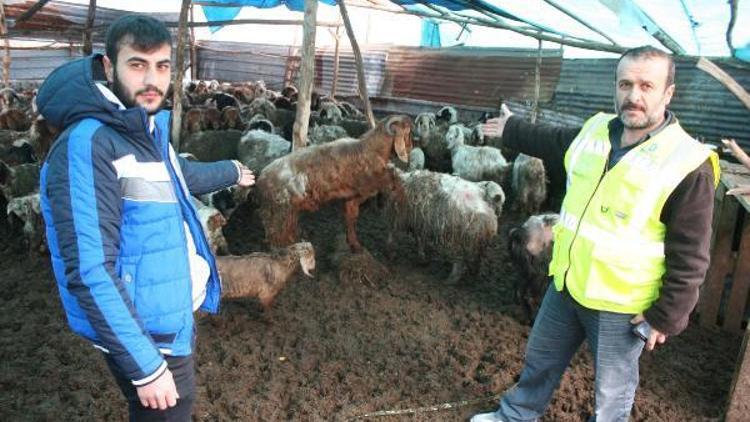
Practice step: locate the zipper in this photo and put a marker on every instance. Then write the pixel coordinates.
(580, 220)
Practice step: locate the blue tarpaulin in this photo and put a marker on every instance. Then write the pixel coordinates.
(430, 33)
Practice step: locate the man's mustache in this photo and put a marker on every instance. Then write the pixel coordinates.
(632, 106)
(150, 88)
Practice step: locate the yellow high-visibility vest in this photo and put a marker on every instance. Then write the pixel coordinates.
(609, 242)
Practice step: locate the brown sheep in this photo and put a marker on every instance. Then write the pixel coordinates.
(14, 119)
(230, 118)
(262, 274)
(530, 250)
(192, 121)
(348, 169)
(211, 116)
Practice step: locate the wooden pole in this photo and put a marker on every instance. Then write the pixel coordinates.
(87, 47)
(292, 22)
(360, 68)
(725, 79)
(730, 26)
(6, 45)
(193, 50)
(30, 12)
(537, 83)
(579, 20)
(307, 75)
(336, 53)
(179, 72)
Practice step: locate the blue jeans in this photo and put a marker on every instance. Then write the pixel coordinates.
(559, 329)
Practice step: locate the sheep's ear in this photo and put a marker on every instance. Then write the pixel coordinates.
(401, 139)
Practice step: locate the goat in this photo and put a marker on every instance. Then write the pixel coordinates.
(262, 274)
(348, 169)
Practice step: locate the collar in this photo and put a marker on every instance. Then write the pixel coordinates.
(616, 128)
(110, 96)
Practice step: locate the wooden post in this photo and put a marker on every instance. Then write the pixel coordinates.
(537, 83)
(360, 68)
(334, 84)
(193, 52)
(307, 75)
(87, 47)
(31, 11)
(179, 72)
(6, 45)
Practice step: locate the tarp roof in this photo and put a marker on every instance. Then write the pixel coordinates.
(692, 27)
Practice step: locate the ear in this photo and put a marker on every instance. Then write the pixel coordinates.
(108, 69)
(668, 94)
(402, 141)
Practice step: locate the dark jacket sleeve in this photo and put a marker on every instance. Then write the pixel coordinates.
(81, 187)
(208, 177)
(687, 215)
(547, 142)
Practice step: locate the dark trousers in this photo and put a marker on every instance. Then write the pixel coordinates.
(183, 373)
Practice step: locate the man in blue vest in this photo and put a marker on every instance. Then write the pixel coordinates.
(128, 251)
(632, 245)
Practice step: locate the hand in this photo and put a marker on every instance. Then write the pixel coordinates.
(160, 393)
(656, 336)
(733, 148)
(739, 190)
(247, 178)
(494, 127)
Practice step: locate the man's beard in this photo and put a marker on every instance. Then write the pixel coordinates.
(635, 123)
(128, 99)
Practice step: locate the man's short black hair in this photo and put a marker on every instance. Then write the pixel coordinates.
(142, 32)
(647, 52)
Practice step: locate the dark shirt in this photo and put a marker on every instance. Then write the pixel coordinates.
(615, 137)
(687, 215)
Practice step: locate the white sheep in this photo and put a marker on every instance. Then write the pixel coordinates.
(263, 274)
(529, 183)
(474, 163)
(212, 222)
(456, 217)
(27, 210)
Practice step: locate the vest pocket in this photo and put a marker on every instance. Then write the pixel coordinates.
(624, 276)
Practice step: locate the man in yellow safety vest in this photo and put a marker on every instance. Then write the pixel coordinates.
(631, 248)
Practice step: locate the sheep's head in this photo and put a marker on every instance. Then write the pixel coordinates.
(539, 229)
(447, 115)
(306, 254)
(259, 122)
(400, 128)
(424, 123)
(454, 137)
(494, 195)
(288, 91)
(331, 113)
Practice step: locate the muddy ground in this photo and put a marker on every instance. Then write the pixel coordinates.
(333, 350)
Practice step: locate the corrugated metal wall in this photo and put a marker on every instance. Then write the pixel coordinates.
(702, 104)
(373, 59)
(35, 65)
(238, 62)
(471, 76)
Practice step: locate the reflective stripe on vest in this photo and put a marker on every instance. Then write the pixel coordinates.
(609, 242)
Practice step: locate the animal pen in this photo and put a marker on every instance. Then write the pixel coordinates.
(405, 344)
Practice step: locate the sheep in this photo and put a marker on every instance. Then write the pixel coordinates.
(41, 137)
(27, 210)
(355, 128)
(212, 145)
(474, 163)
(258, 147)
(224, 100)
(326, 133)
(212, 222)
(230, 118)
(424, 123)
(289, 91)
(530, 251)
(456, 217)
(211, 116)
(8, 97)
(416, 159)
(263, 274)
(330, 113)
(446, 116)
(14, 119)
(20, 152)
(192, 120)
(347, 169)
(435, 147)
(20, 180)
(258, 106)
(529, 184)
(349, 111)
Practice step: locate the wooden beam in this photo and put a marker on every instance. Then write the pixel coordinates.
(87, 47)
(30, 12)
(727, 80)
(294, 22)
(307, 76)
(358, 61)
(6, 45)
(537, 83)
(179, 72)
(575, 17)
(193, 51)
(730, 25)
(336, 55)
